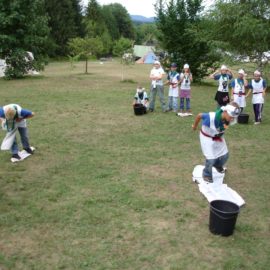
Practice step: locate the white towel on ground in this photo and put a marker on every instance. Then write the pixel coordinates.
(216, 190)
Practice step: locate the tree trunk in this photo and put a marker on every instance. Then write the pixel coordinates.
(122, 71)
(86, 66)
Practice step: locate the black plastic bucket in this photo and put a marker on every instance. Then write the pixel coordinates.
(243, 118)
(223, 216)
(139, 109)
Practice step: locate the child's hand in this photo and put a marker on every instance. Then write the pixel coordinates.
(194, 127)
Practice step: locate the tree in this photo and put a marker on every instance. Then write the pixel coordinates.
(182, 35)
(240, 31)
(94, 23)
(110, 22)
(85, 48)
(123, 45)
(23, 27)
(146, 34)
(123, 21)
(123, 49)
(65, 22)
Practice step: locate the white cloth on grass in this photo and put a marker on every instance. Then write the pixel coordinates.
(217, 190)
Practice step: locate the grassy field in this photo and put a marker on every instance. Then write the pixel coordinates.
(110, 190)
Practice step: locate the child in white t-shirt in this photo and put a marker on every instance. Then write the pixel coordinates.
(185, 90)
(141, 99)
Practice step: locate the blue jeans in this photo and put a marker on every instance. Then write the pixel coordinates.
(24, 139)
(153, 93)
(182, 103)
(217, 163)
(172, 103)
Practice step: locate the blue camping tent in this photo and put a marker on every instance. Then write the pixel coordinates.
(149, 58)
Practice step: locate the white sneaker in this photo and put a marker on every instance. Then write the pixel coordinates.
(257, 123)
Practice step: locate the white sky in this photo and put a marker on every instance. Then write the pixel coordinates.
(135, 7)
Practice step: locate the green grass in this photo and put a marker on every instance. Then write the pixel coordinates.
(110, 190)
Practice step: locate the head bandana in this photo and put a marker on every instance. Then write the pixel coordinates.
(231, 110)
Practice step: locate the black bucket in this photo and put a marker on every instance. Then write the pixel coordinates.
(223, 215)
(139, 109)
(243, 118)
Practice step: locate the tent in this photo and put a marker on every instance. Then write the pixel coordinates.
(2, 67)
(149, 58)
(30, 72)
(140, 51)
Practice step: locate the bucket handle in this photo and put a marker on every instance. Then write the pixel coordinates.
(224, 218)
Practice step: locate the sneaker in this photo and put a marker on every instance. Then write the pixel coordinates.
(16, 156)
(220, 169)
(29, 150)
(207, 179)
(257, 123)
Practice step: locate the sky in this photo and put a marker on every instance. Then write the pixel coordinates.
(135, 7)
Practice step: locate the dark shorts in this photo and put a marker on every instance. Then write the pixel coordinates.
(222, 98)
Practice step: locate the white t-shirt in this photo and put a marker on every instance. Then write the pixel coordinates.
(185, 84)
(157, 72)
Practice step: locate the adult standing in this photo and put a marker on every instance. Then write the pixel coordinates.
(258, 88)
(239, 86)
(212, 140)
(157, 86)
(223, 77)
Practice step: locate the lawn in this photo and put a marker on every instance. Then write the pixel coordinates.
(110, 190)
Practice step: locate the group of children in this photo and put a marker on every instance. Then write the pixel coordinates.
(180, 88)
(240, 90)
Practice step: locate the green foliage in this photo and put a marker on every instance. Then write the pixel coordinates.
(123, 21)
(86, 48)
(110, 21)
(146, 34)
(250, 35)
(17, 64)
(183, 36)
(23, 27)
(121, 46)
(65, 22)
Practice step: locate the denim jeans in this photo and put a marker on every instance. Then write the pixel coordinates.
(172, 103)
(159, 89)
(182, 104)
(217, 163)
(24, 139)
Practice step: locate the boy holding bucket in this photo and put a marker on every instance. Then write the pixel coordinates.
(212, 140)
(141, 100)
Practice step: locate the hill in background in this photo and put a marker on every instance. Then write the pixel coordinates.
(142, 19)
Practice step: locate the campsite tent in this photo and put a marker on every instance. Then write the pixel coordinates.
(148, 58)
(140, 50)
(30, 72)
(2, 67)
